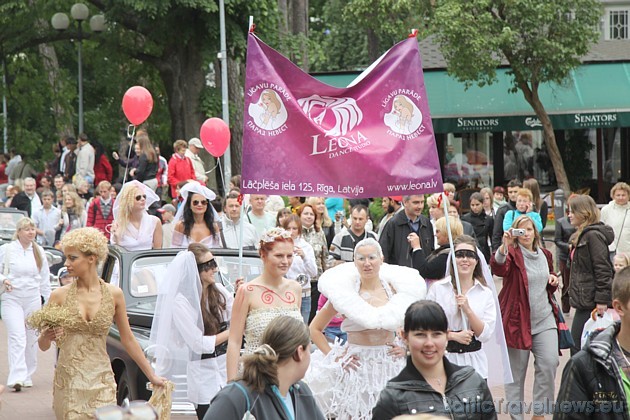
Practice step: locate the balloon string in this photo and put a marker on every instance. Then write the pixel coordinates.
(222, 177)
(131, 133)
(215, 167)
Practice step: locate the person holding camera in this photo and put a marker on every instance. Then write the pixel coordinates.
(529, 313)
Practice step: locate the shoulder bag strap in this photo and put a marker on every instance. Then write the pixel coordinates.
(6, 261)
(621, 230)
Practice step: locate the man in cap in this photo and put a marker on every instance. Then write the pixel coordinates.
(192, 153)
(168, 214)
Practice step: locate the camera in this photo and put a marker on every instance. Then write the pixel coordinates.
(518, 232)
(302, 279)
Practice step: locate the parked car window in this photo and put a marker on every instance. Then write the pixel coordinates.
(146, 275)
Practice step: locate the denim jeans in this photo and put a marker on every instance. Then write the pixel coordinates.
(335, 332)
(306, 308)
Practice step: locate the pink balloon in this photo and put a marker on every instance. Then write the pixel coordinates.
(137, 104)
(215, 136)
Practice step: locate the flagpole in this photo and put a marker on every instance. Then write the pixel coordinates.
(452, 255)
(225, 112)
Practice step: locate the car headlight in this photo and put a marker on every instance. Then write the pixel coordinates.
(159, 357)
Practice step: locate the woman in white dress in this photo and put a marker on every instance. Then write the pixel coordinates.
(266, 297)
(372, 297)
(192, 322)
(476, 302)
(134, 229)
(195, 220)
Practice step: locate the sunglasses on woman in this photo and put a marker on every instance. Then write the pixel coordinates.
(141, 197)
(200, 202)
(211, 264)
(466, 253)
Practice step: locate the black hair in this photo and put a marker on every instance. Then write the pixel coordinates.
(425, 315)
(189, 218)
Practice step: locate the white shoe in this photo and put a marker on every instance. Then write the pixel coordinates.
(28, 384)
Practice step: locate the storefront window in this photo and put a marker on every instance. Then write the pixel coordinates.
(525, 156)
(468, 160)
(612, 154)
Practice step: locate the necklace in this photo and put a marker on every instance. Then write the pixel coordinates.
(623, 352)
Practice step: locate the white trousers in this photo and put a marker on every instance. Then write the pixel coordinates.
(22, 340)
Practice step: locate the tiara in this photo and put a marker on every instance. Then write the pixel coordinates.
(274, 233)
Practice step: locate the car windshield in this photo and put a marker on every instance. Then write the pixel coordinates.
(8, 222)
(148, 272)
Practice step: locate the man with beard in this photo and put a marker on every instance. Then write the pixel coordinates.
(391, 205)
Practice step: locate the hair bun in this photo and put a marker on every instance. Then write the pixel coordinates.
(265, 350)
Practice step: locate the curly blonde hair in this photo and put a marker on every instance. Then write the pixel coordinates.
(88, 240)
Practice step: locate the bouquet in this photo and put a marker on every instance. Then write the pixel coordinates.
(50, 316)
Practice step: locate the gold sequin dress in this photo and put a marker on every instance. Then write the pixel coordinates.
(84, 380)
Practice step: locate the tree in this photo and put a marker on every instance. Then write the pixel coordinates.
(542, 41)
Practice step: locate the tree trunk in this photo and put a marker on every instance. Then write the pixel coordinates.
(283, 20)
(531, 96)
(373, 49)
(183, 75)
(299, 26)
(235, 92)
(63, 119)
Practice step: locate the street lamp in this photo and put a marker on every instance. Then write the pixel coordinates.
(61, 22)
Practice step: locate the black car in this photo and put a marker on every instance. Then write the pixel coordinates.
(139, 273)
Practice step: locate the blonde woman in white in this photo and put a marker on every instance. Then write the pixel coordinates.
(25, 280)
(372, 297)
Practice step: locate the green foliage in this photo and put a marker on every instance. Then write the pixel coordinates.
(541, 40)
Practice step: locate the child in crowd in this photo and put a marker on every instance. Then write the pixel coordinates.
(524, 205)
(620, 261)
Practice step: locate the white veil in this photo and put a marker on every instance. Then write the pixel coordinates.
(500, 372)
(177, 329)
(195, 187)
(152, 197)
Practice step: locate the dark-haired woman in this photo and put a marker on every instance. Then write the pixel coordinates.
(195, 220)
(191, 325)
(430, 383)
(270, 386)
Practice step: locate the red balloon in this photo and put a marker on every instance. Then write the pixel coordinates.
(137, 104)
(215, 136)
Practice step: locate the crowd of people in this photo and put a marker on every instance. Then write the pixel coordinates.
(402, 309)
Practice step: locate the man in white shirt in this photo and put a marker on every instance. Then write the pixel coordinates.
(192, 153)
(85, 159)
(257, 216)
(232, 224)
(46, 218)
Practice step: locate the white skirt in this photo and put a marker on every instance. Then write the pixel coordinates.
(351, 394)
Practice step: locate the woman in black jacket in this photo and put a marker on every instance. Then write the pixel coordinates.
(481, 223)
(433, 267)
(147, 162)
(591, 269)
(430, 383)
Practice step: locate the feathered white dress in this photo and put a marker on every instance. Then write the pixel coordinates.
(351, 394)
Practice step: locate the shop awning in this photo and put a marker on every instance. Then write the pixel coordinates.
(596, 95)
